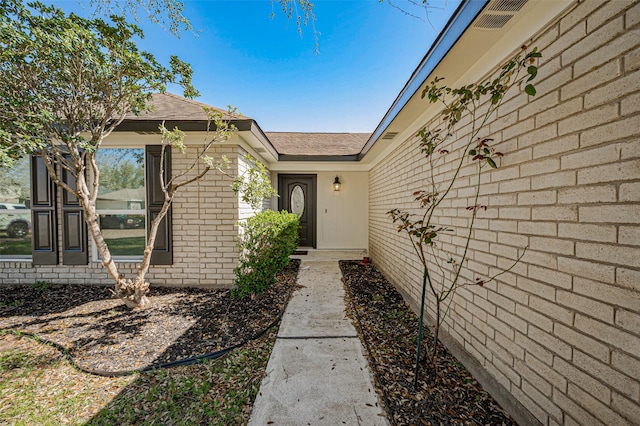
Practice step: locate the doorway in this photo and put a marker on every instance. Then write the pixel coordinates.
(298, 195)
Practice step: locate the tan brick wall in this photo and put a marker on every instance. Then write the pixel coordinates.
(561, 331)
(205, 250)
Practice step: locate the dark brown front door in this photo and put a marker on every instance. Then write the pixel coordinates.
(298, 195)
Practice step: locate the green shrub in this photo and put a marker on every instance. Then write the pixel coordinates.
(268, 240)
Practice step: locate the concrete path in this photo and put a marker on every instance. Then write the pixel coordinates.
(318, 373)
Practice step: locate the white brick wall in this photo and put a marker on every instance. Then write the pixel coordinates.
(244, 209)
(205, 233)
(561, 331)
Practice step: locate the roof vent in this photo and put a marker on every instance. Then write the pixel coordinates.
(492, 21)
(507, 5)
(260, 150)
(499, 13)
(389, 135)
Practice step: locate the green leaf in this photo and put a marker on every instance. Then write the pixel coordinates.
(533, 71)
(492, 163)
(472, 152)
(530, 90)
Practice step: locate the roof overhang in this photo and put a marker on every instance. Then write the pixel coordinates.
(461, 19)
(464, 52)
(248, 128)
(320, 158)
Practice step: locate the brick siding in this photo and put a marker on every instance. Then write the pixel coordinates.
(561, 331)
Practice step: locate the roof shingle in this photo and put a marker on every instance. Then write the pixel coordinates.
(170, 107)
(173, 108)
(323, 144)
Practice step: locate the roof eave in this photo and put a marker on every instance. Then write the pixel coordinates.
(153, 126)
(459, 22)
(319, 158)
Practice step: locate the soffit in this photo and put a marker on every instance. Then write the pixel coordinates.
(476, 53)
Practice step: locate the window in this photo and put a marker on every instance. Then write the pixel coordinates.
(15, 212)
(121, 201)
(43, 224)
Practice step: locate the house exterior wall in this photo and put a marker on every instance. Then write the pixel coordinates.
(245, 210)
(560, 332)
(205, 215)
(342, 215)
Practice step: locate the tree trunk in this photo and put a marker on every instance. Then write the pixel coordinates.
(132, 292)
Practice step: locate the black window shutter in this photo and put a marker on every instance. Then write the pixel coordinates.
(163, 250)
(44, 242)
(74, 228)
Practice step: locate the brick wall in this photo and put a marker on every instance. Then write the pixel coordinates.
(560, 332)
(245, 210)
(205, 251)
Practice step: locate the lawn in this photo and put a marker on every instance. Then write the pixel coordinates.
(38, 386)
(15, 246)
(129, 246)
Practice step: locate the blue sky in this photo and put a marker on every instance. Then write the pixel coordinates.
(242, 57)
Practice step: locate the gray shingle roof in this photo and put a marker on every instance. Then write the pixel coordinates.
(170, 107)
(290, 143)
(181, 111)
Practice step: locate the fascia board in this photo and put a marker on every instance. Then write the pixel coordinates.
(312, 167)
(532, 19)
(457, 25)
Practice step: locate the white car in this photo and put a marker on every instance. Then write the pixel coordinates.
(13, 221)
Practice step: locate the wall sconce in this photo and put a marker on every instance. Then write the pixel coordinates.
(336, 184)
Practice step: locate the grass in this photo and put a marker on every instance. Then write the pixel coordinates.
(130, 246)
(15, 247)
(39, 386)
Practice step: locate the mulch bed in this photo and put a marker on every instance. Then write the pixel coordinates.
(103, 335)
(388, 329)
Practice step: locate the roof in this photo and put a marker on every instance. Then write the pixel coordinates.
(189, 115)
(318, 144)
(170, 107)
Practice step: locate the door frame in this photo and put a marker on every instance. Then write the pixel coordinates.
(314, 201)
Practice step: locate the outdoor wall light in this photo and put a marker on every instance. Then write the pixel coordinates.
(336, 184)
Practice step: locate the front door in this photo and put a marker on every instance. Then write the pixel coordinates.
(298, 195)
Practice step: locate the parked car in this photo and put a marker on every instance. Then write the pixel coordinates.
(18, 224)
(120, 221)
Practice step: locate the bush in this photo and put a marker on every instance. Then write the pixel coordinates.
(269, 238)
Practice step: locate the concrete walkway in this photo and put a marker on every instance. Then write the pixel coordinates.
(318, 373)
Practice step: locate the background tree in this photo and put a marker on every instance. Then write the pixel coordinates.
(66, 83)
(170, 13)
(14, 182)
(442, 271)
(119, 169)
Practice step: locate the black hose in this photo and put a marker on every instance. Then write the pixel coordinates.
(180, 362)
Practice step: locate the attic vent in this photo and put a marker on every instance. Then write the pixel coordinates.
(492, 21)
(499, 13)
(261, 150)
(389, 135)
(507, 5)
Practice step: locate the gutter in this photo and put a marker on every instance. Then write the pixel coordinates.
(461, 19)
